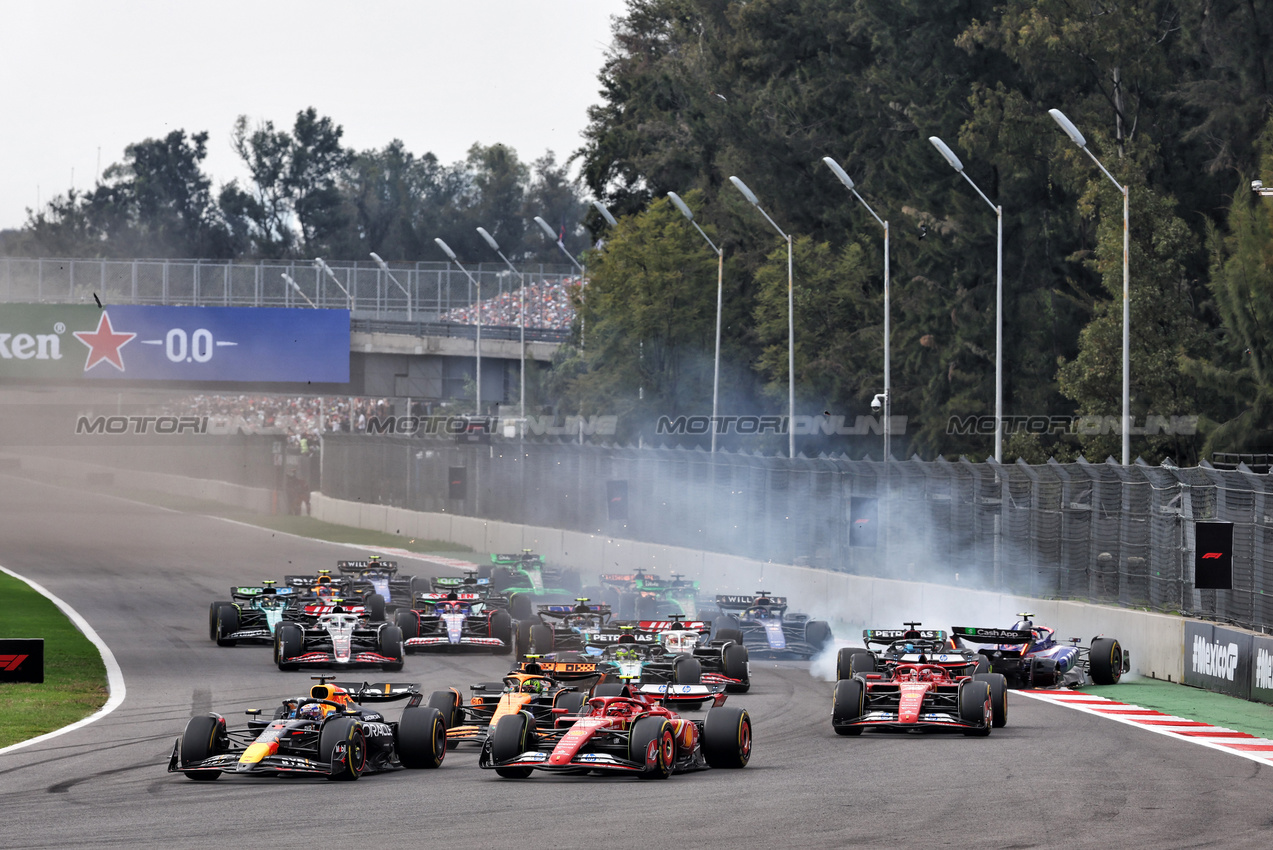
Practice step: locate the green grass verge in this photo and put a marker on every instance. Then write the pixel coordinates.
(74, 677)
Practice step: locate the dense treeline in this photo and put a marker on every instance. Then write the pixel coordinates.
(1174, 98)
(308, 196)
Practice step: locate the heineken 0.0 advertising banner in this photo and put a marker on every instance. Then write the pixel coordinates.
(127, 342)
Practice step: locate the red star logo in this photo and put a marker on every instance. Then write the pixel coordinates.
(104, 344)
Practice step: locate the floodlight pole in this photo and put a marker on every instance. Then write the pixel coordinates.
(446, 249)
(791, 321)
(954, 162)
(384, 267)
(521, 408)
(1077, 137)
(720, 287)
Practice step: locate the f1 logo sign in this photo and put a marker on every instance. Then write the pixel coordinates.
(1212, 555)
(22, 660)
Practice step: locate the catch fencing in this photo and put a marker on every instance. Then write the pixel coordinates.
(1082, 531)
(432, 289)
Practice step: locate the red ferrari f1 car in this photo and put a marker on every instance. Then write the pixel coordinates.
(623, 729)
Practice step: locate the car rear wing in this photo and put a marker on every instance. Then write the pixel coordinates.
(240, 590)
(455, 581)
(359, 566)
(667, 692)
(885, 636)
(444, 597)
(727, 602)
(517, 560)
(617, 578)
(379, 691)
(563, 610)
(563, 670)
(979, 635)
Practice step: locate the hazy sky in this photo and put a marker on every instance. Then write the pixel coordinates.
(81, 77)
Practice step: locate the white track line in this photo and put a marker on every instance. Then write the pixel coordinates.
(1179, 728)
(114, 676)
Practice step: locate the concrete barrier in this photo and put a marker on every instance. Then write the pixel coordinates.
(1155, 641)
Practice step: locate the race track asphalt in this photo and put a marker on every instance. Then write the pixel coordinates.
(143, 577)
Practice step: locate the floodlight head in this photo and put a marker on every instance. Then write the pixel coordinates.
(1068, 126)
(379, 261)
(681, 205)
(946, 153)
(490, 240)
(446, 249)
(747, 193)
(1257, 185)
(547, 228)
(605, 213)
(838, 171)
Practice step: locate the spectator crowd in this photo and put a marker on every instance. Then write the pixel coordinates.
(548, 305)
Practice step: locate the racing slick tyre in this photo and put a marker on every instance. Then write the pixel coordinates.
(289, 642)
(861, 664)
(447, 704)
(501, 579)
(727, 737)
(421, 738)
(728, 623)
(572, 701)
(609, 689)
(844, 659)
(1043, 673)
(647, 607)
(346, 730)
(653, 736)
(570, 581)
(408, 622)
(733, 662)
(627, 606)
(848, 703)
(212, 617)
(998, 696)
(520, 607)
(502, 628)
(227, 624)
(513, 735)
(817, 633)
(972, 706)
(389, 644)
(204, 737)
(983, 665)
(541, 639)
(521, 638)
(484, 570)
(686, 670)
(420, 584)
(1105, 661)
(375, 605)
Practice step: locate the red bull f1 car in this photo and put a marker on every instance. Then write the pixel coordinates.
(623, 731)
(334, 733)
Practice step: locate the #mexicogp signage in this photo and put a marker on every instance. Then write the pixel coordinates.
(128, 342)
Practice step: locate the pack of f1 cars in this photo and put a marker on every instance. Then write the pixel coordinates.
(1029, 656)
(333, 733)
(623, 730)
(763, 625)
(335, 636)
(912, 696)
(455, 621)
(933, 649)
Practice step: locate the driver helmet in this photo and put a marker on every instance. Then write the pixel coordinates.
(534, 686)
(910, 647)
(626, 652)
(313, 711)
